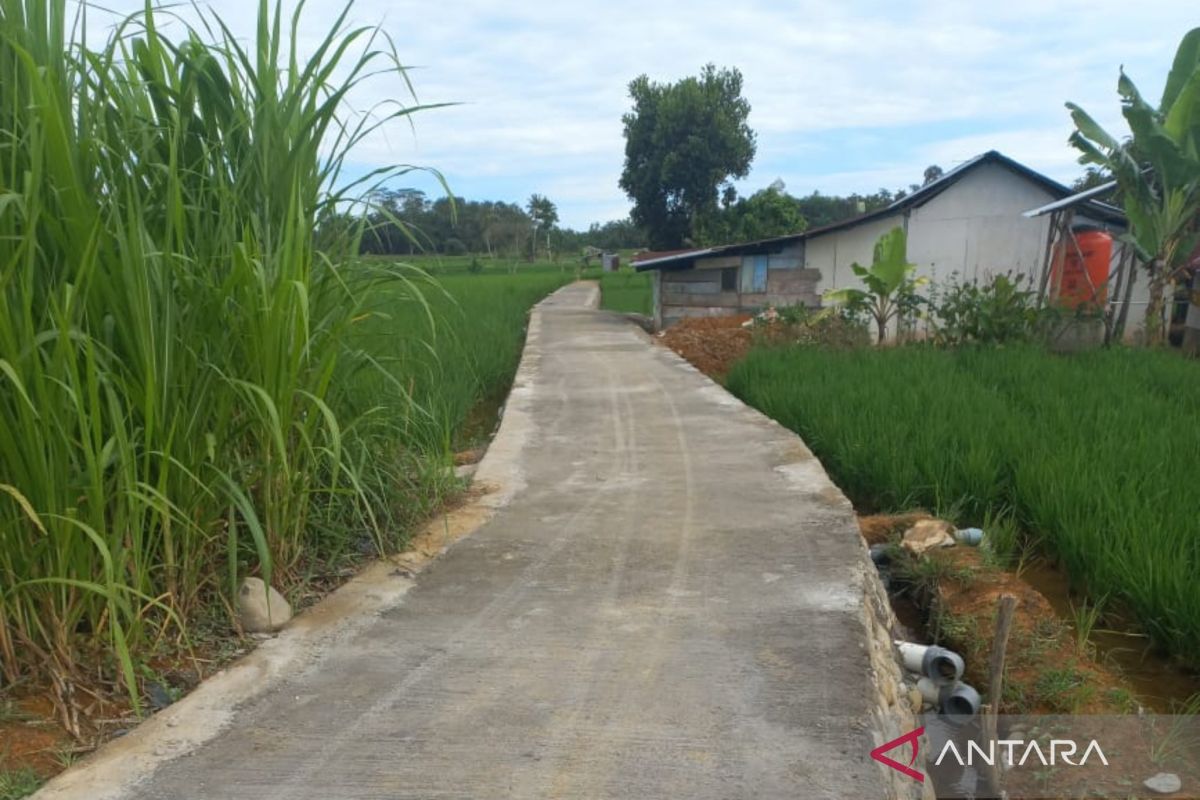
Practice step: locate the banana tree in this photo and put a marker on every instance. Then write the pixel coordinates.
(888, 281)
(1158, 171)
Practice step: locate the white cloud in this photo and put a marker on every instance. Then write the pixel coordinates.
(896, 86)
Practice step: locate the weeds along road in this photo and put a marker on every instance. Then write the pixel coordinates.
(668, 606)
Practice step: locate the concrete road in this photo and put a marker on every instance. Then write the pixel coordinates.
(668, 606)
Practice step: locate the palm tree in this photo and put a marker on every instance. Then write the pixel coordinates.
(544, 215)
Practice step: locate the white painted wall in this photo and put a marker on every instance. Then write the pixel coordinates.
(975, 227)
(834, 252)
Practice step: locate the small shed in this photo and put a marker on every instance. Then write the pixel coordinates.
(741, 278)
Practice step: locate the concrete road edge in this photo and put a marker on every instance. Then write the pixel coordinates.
(893, 714)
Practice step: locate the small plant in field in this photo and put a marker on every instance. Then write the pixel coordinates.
(1084, 618)
(999, 311)
(890, 289)
(1050, 630)
(475, 267)
(17, 784)
(1003, 542)
(67, 756)
(1064, 690)
(1173, 738)
(826, 327)
(1122, 699)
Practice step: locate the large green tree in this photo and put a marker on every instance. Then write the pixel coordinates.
(1157, 170)
(766, 213)
(683, 142)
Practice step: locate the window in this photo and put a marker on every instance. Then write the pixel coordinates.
(754, 274)
(729, 279)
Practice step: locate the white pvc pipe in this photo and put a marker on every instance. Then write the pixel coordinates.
(930, 692)
(943, 667)
(971, 537)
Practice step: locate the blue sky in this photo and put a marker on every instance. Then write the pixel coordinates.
(847, 96)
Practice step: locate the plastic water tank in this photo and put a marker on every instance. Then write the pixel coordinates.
(1080, 274)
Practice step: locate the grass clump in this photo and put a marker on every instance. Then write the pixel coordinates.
(194, 384)
(19, 783)
(1085, 450)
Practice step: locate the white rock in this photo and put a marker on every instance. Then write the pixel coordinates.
(927, 535)
(261, 608)
(1164, 783)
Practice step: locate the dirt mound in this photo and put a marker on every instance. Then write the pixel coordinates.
(879, 528)
(711, 344)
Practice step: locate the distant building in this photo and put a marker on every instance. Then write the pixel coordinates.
(971, 222)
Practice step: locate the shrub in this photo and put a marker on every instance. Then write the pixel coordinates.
(999, 311)
(827, 327)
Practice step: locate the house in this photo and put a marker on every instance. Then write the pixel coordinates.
(970, 223)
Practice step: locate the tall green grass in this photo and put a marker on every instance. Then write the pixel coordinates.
(1092, 452)
(181, 368)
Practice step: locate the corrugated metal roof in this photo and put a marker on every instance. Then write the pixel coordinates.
(650, 259)
(1076, 199)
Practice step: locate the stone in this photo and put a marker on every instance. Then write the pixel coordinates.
(928, 534)
(1164, 783)
(916, 701)
(261, 609)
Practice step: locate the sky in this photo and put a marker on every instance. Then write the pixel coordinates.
(846, 97)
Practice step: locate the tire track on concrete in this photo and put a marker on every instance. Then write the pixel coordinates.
(500, 606)
(599, 639)
(594, 748)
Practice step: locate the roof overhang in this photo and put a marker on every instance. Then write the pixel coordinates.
(662, 261)
(1085, 197)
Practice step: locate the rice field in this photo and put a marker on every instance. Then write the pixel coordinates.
(627, 291)
(194, 385)
(452, 346)
(1094, 454)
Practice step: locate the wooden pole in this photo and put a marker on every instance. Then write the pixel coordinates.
(1004, 617)
(1045, 277)
(1123, 315)
(1116, 284)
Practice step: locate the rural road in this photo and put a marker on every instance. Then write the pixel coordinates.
(668, 606)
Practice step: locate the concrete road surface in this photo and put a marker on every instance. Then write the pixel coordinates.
(667, 607)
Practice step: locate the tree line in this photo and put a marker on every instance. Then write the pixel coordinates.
(408, 222)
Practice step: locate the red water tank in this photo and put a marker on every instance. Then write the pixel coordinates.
(1081, 263)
